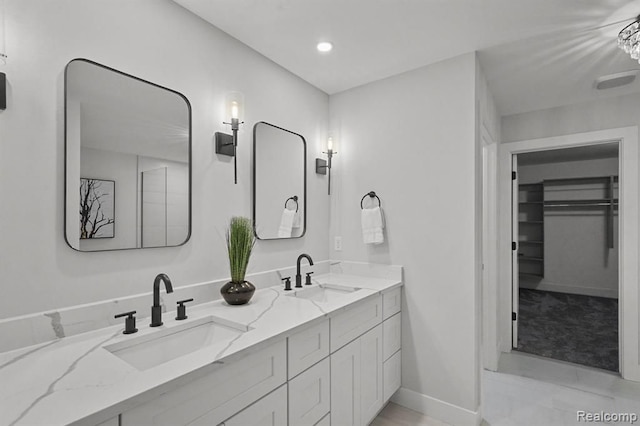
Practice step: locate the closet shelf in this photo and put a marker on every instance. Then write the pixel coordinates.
(531, 259)
(531, 221)
(530, 242)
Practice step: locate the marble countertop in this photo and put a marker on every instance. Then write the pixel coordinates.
(76, 380)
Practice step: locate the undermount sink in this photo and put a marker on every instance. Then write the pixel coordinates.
(165, 345)
(324, 292)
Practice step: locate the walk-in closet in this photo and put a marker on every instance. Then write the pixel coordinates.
(567, 255)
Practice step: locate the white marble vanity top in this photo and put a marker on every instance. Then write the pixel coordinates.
(76, 380)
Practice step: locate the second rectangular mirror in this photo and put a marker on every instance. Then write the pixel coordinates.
(279, 182)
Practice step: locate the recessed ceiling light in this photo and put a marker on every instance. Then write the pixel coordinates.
(324, 46)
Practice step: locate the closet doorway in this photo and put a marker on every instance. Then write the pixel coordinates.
(566, 257)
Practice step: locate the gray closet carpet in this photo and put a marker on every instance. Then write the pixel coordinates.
(569, 327)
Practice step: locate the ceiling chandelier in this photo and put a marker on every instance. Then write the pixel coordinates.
(629, 39)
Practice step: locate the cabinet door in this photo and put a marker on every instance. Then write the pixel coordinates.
(392, 375)
(309, 395)
(371, 389)
(269, 411)
(345, 385)
(391, 335)
(307, 347)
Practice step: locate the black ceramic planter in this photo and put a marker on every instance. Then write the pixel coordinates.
(237, 293)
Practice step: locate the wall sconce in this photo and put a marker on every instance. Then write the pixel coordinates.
(323, 167)
(227, 144)
(3, 60)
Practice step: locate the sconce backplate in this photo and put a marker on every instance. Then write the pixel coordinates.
(224, 144)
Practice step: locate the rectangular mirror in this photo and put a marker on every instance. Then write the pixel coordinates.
(279, 182)
(127, 161)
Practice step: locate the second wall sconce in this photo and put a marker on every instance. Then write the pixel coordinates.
(227, 144)
(323, 167)
(3, 60)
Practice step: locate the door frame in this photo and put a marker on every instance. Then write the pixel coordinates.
(628, 217)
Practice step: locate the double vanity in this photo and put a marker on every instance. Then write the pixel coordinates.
(326, 353)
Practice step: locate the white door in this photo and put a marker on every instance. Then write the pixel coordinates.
(345, 385)
(514, 251)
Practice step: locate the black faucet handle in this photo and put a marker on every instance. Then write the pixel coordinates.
(182, 310)
(129, 322)
(287, 283)
(307, 280)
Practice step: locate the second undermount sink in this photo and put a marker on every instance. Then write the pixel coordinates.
(165, 345)
(324, 292)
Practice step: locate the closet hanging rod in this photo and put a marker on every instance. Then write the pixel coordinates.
(581, 205)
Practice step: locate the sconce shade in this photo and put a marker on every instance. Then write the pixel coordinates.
(234, 105)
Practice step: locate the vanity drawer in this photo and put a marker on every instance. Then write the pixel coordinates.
(111, 422)
(308, 347)
(269, 411)
(392, 375)
(326, 421)
(218, 395)
(391, 335)
(391, 302)
(310, 395)
(355, 321)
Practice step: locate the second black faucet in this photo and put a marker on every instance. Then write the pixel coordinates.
(298, 275)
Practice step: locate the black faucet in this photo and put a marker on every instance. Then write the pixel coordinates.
(156, 309)
(298, 276)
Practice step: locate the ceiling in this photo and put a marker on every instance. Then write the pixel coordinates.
(527, 48)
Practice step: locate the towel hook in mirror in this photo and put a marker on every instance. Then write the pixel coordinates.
(294, 199)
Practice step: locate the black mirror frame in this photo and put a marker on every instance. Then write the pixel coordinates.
(186, 100)
(304, 184)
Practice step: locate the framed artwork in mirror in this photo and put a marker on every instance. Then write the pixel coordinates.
(97, 208)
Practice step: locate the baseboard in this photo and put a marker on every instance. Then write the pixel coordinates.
(433, 407)
(561, 288)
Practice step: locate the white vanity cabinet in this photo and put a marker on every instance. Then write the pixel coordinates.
(339, 370)
(218, 395)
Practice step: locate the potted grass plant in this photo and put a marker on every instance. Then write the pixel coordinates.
(240, 242)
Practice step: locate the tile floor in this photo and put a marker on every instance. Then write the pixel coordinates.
(533, 391)
(530, 390)
(397, 415)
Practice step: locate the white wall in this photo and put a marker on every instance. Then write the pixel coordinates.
(412, 139)
(158, 41)
(577, 258)
(602, 114)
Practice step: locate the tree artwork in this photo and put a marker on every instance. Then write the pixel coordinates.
(96, 208)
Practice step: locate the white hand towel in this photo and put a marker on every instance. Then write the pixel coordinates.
(372, 224)
(297, 220)
(286, 223)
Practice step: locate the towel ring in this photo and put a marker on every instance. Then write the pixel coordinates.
(371, 194)
(294, 199)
